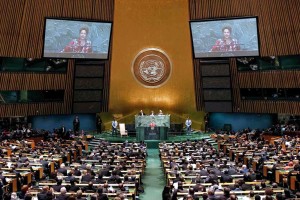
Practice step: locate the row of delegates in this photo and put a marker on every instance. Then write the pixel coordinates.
(141, 113)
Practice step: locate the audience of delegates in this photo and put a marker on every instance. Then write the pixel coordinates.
(197, 164)
(59, 169)
(194, 169)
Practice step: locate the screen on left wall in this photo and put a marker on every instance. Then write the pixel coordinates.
(68, 38)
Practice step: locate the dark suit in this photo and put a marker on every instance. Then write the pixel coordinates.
(87, 178)
(211, 178)
(203, 173)
(250, 177)
(103, 197)
(57, 188)
(42, 195)
(77, 172)
(246, 187)
(3, 179)
(105, 172)
(217, 172)
(226, 178)
(62, 197)
(70, 178)
(63, 171)
(73, 188)
(62, 132)
(76, 124)
(232, 171)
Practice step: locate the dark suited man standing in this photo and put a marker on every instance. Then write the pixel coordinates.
(206, 122)
(62, 131)
(99, 124)
(76, 124)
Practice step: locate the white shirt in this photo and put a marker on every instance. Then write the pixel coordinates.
(114, 124)
(188, 122)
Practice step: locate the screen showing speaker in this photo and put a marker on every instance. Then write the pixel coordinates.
(83, 39)
(229, 37)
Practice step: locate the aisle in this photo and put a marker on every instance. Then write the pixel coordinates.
(154, 180)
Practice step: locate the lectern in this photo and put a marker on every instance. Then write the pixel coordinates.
(152, 127)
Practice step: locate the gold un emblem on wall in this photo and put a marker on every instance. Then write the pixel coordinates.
(151, 67)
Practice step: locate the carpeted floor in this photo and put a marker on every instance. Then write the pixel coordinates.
(153, 179)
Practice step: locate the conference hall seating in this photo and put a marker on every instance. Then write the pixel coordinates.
(114, 168)
(196, 168)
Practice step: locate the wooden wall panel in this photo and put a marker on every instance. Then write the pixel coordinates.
(198, 85)
(21, 35)
(279, 35)
(269, 79)
(30, 81)
(278, 20)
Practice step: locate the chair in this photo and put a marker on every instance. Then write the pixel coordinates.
(123, 132)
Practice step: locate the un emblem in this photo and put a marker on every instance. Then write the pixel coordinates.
(151, 67)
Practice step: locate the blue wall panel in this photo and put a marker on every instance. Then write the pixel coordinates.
(87, 121)
(240, 120)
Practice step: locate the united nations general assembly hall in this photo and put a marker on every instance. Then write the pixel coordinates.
(149, 99)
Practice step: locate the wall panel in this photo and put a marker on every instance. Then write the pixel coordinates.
(278, 20)
(21, 35)
(279, 35)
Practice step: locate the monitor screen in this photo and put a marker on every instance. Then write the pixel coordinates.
(230, 37)
(66, 38)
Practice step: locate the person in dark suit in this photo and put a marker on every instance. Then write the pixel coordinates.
(226, 177)
(114, 178)
(166, 194)
(203, 172)
(244, 186)
(70, 177)
(89, 188)
(43, 194)
(63, 170)
(212, 177)
(87, 177)
(105, 171)
(73, 187)
(3, 180)
(79, 195)
(99, 124)
(99, 179)
(232, 171)
(62, 131)
(250, 176)
(63, 194)
(77, 172)
(76, 124)
(101, 195)
(58, 186)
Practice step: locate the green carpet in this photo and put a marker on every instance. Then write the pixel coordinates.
(153, 179)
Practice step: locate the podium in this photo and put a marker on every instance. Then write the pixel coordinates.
(146, 132)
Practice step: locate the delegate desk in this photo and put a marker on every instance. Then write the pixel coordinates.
(157, 132)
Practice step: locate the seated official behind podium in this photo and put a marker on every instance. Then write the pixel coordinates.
(141, 113)
(160, 112)
(152, 113)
